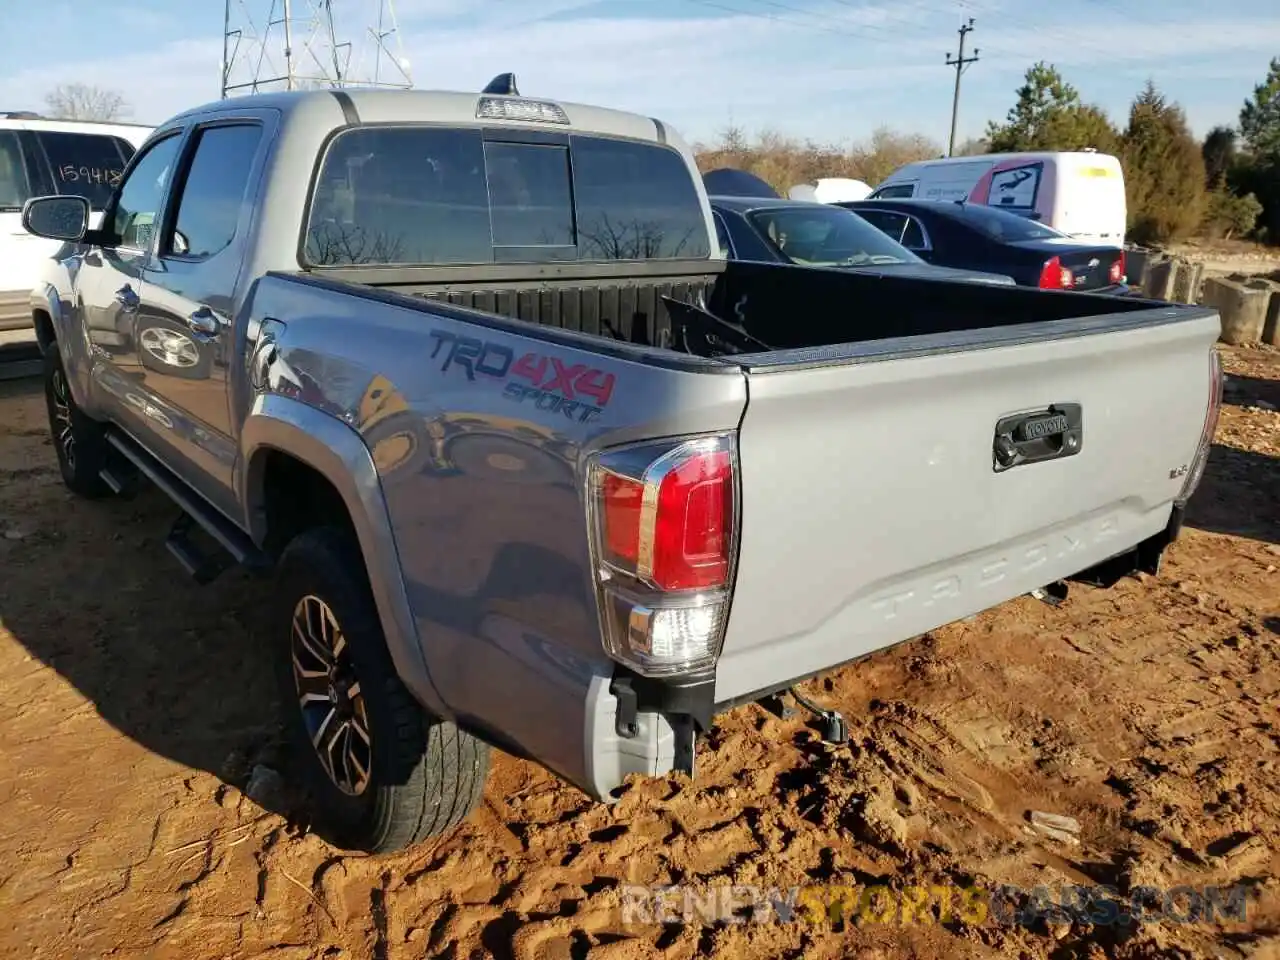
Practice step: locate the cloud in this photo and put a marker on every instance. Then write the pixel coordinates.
(833, 75)
(157, 83)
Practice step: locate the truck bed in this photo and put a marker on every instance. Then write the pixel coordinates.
(787, 307)
(618, 301)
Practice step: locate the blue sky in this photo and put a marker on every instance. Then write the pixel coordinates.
(830, 70)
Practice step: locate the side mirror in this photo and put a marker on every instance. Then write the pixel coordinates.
(56, 218)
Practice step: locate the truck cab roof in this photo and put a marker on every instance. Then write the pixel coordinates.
(444, 106)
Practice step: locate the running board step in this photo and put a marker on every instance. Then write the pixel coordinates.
(201, 567)
(195, 511)
(122, 479)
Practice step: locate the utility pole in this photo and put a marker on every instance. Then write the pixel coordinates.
(960, 63)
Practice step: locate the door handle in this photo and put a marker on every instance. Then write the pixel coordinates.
(204, 323)
(127, 298)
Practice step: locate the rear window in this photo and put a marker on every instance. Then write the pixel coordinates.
(1002, 225)
(826, 236)
(426, 195)
(87, 165)
(15, 184)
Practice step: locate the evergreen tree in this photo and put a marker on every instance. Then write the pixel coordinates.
(1259, 173)
(1163, 170)
(1260, 118)
(1219, 154)
(1049, 115)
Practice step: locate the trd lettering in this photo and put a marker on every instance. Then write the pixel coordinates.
(472, 355)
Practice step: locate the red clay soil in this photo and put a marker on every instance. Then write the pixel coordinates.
(133, 705)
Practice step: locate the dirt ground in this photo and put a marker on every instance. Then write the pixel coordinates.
(133, 705)
(1224, 257)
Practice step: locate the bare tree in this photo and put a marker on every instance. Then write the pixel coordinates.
(331, 244)
(81, 101)
(973, 147)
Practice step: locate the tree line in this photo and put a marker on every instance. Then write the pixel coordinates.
(1227, 185)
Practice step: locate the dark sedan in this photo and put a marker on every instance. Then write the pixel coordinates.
(820, 235)
(977, 237)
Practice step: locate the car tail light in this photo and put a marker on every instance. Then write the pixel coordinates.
(1214, 407)
(664, 542)
(1115, 273)
(1054, 276)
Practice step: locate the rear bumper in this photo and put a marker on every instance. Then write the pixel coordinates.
(647, 726)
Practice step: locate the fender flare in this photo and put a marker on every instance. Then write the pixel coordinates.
(74, 349)
(338, 453)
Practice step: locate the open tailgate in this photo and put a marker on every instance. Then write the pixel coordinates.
(873, 509)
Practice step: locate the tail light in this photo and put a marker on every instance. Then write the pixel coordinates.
(1115, 273)
(664, 543)
(1212, 410)
(1054, 276)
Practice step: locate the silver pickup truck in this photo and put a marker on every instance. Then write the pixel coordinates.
(535, 468)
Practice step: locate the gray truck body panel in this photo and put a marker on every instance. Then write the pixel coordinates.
(870, 511)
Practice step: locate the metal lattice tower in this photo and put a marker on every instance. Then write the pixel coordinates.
(301, 44)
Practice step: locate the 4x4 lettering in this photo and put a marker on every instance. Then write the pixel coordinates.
(562, 377)
(597, 385)
(530, 367)
(567, 380)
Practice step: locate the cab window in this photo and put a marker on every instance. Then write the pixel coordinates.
(137, 206)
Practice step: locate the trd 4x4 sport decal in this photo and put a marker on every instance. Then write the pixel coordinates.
(574, 390)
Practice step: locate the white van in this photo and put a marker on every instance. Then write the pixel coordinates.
(830, 190)
(1079, 193)
(40, 156)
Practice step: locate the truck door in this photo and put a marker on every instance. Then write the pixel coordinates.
(186, 319)
(108, 277)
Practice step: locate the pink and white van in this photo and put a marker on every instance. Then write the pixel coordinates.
(1080, 193)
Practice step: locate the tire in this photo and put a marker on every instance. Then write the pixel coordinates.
(424, 776)
(79, 441)
(168, 348)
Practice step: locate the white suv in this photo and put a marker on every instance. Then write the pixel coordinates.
(37, 157)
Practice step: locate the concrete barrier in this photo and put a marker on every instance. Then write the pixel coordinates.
(1136, 262)
(1159, 279)
(1186, 283)
(1271, 323)
(1242, 307)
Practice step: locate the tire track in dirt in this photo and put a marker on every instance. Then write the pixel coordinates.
(1150, 713)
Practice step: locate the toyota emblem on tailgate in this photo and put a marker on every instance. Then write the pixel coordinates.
(1041, 427)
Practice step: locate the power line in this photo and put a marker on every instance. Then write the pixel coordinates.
(960, 63)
